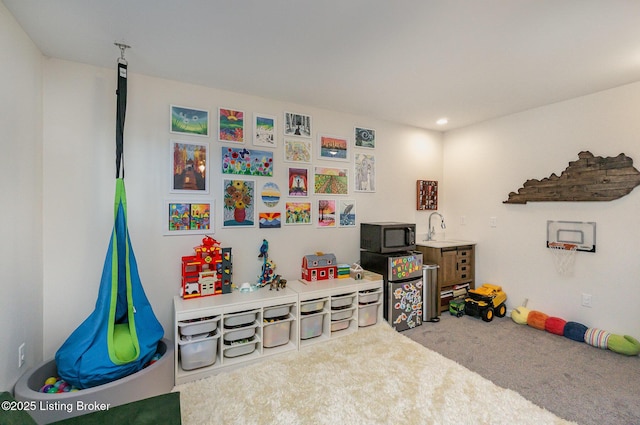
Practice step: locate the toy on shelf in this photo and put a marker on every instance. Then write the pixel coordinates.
(622, 344)
(268, 266)
(319, 266)
(278, 282)
(208, 272)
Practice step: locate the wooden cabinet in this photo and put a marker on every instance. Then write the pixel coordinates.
(456, 268)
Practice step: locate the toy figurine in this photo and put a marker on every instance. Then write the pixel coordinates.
(278, 282)
(268, 266)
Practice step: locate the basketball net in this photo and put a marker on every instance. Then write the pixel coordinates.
(564, 255)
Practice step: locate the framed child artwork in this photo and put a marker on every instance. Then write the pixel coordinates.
(333, 147)
(297, 150)
(239, 203)
(191, 121)
(188, 217)
(298, 181)
(189, 165)
(264, 130)
(330, 181)
(364, 137)
(347, 212)
(364, 172)
(298, 125)
(297, 213)
(230, 125)
(326, 213)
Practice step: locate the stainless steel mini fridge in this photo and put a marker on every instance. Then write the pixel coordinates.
(403, 285)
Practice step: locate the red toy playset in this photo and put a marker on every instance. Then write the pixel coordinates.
(319, 266)
(208, 272)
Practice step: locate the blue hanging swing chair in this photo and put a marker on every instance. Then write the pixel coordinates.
(122, 333)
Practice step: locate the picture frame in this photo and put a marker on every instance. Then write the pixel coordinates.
(298, 182)
(297, 213)
(270, 194)
(238, 209)
(426, 195)
(189, 165)
(298, 125)
(346, 213)
(187, 120)
(231, 125)
(188, 217)
(364, 172)
(246, 162)
(297, 150)
(334, 148)
(326, 213)
(265, 130)
(364, 137)
(269, 220)
(330, 181)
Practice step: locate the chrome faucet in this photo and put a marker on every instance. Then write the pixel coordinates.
(432, 230)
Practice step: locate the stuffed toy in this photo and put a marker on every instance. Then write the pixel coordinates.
(537, 319)
(555, 325)
(520, 314)
(627, 345)
(597, 337)
(575, 331)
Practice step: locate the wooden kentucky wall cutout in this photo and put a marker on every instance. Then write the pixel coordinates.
(587, 179)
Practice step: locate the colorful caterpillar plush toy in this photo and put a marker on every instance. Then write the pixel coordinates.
(599, 338)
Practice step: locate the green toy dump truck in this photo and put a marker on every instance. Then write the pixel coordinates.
(486, 301)
(456, 307)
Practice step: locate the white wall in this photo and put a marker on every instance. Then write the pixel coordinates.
(20, 205)
(483, 163)
(79, 173)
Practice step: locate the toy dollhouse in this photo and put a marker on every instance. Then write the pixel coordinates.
(319, 266)
(208, 272)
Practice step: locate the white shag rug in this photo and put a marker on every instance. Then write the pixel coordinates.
(374, 376)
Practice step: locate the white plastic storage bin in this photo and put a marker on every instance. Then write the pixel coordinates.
(311, 326)
(368, 315)
(239, 333)
(198, 352)
(368, 297)
(341, 314)
(198, 326)
(240, 349)
(276, 311)
(276, 333)
(338, 326)
(240, 319)
(312, 306)
(342, 300)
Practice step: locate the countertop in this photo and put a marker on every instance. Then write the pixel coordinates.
(445, 243)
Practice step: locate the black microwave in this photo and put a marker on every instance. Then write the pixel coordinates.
(387, 236)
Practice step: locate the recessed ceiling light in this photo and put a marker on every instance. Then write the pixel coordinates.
(442, 121)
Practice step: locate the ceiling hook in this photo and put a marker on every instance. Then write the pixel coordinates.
(122, 48)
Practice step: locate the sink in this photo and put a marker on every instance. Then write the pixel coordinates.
(445, 243)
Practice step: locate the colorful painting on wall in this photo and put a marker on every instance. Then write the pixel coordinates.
(270, 194)
(189, 121)
(364, 172)
(264, 130)
(298, 213)
(247, 162)
(298, 182)
(188, 218)
(333, 147)
(189, 167)
(230, 125)
(269, 220)
(326, 213)
(297, 150)
(330, 181)
(347, 212)
(239, 203)
(365, 137)
(297, 125)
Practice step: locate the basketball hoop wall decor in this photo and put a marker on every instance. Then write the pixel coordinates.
(565, 238)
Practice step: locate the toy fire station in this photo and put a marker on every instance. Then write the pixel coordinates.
(208, 272)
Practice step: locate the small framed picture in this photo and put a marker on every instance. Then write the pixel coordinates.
(326, 213)
(188, 217)
(364, 172)
(230, 125)
(192, 121)
(247, 162)
(297, 213)
(330, 181)
(297, 150)
(189, 165)
(333, 147)
(347, 213)
(264, 130)
(364, 137)
(269, 220)
(298, 182)
(297, 125)
(270, 194)
(239, 203)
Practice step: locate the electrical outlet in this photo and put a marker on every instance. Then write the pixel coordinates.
(586, 300)
(493, 222)
(463, 220)
(21, 354)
